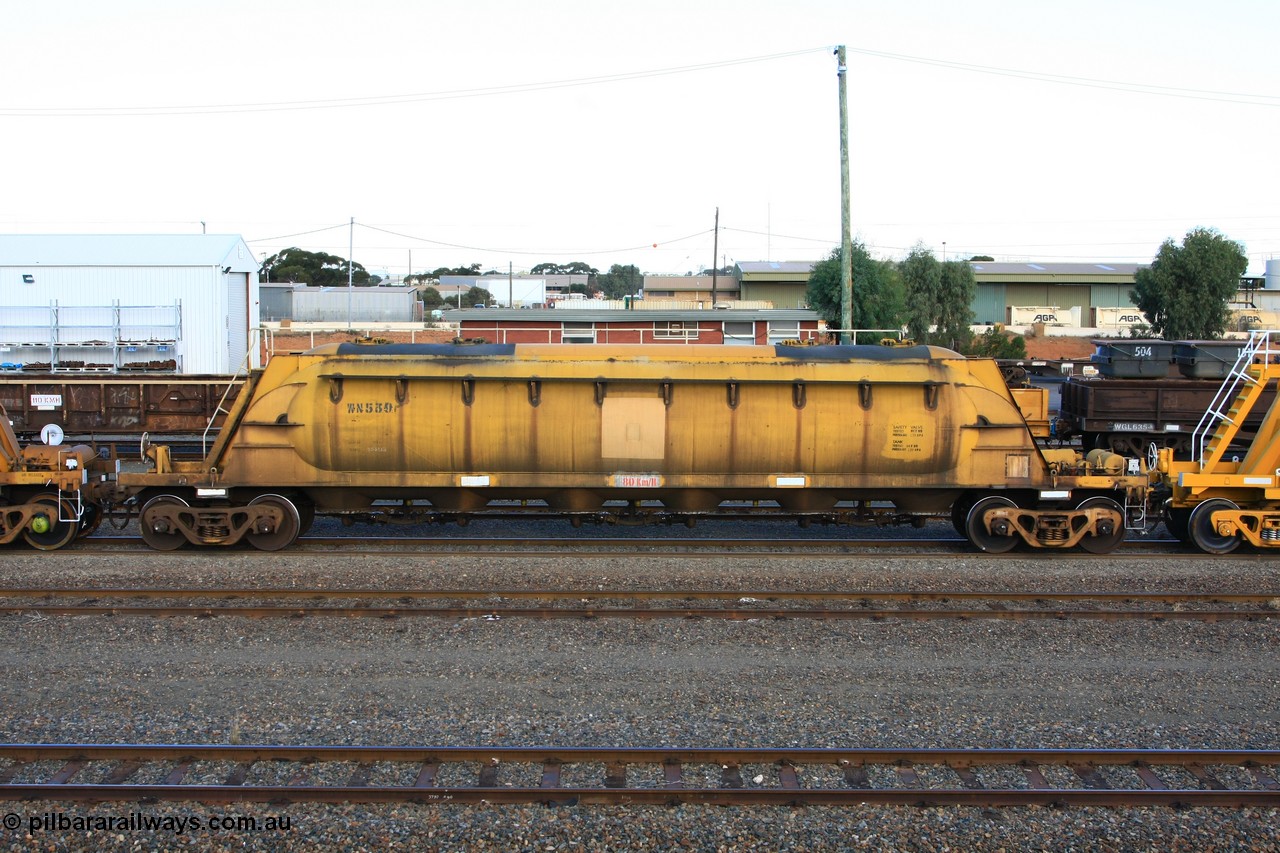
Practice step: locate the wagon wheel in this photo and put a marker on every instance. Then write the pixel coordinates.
(1204, 534)
(155, 532)
(45, 531)
(985, 540)
(284, 533)
(1107, 540)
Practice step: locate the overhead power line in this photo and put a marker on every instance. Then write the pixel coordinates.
(538, 253)
(385, 100)
(298, 234)
(1253, 99)
(1245, 98)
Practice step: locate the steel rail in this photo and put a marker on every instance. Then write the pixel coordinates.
(597, 594)
(498, 613)
(574, 546)
(741, 605)
(1232, 778)
(694, 549)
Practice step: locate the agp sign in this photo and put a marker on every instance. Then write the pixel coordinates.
(1121, 317)
(1052, 315)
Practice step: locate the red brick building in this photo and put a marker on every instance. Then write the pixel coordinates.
(608, 326)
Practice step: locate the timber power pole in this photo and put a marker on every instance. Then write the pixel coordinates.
(846, 236)
(351, 250)
(715, 250)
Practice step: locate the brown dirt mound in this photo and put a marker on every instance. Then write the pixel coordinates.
(1070, 349)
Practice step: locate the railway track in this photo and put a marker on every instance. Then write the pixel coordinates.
(636, 604)
(500, 546)
(565, 776)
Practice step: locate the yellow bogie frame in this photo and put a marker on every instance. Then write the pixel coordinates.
(1219, 499)
(48, 481)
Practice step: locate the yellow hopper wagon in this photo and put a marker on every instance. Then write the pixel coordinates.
(640, 433)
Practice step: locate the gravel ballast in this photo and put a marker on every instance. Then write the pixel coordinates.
(617, 682)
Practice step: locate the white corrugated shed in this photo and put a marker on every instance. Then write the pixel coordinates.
(375, 304)
(515, 291)
(125, 295)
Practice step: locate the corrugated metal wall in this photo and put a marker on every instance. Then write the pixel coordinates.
(1110, 296)
(202, 292)
(781, 295)
(993, 299)
(1064, 296)
(277, 304)
(367, 305)
(989, 304)
(237, 319)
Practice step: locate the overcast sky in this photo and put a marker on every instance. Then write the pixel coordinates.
(515, 133)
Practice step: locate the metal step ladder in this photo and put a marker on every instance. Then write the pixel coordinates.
(1241, 389)
(246, 365)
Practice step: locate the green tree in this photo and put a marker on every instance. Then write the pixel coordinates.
(877, 291)
(995, 344)
(954, 300)
(938, 295)
(921, 283)
(620, 281)
(314, 268)
(1185, 291)
(572, 268)
(430, 297)
(474, 269)
(476, 295)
